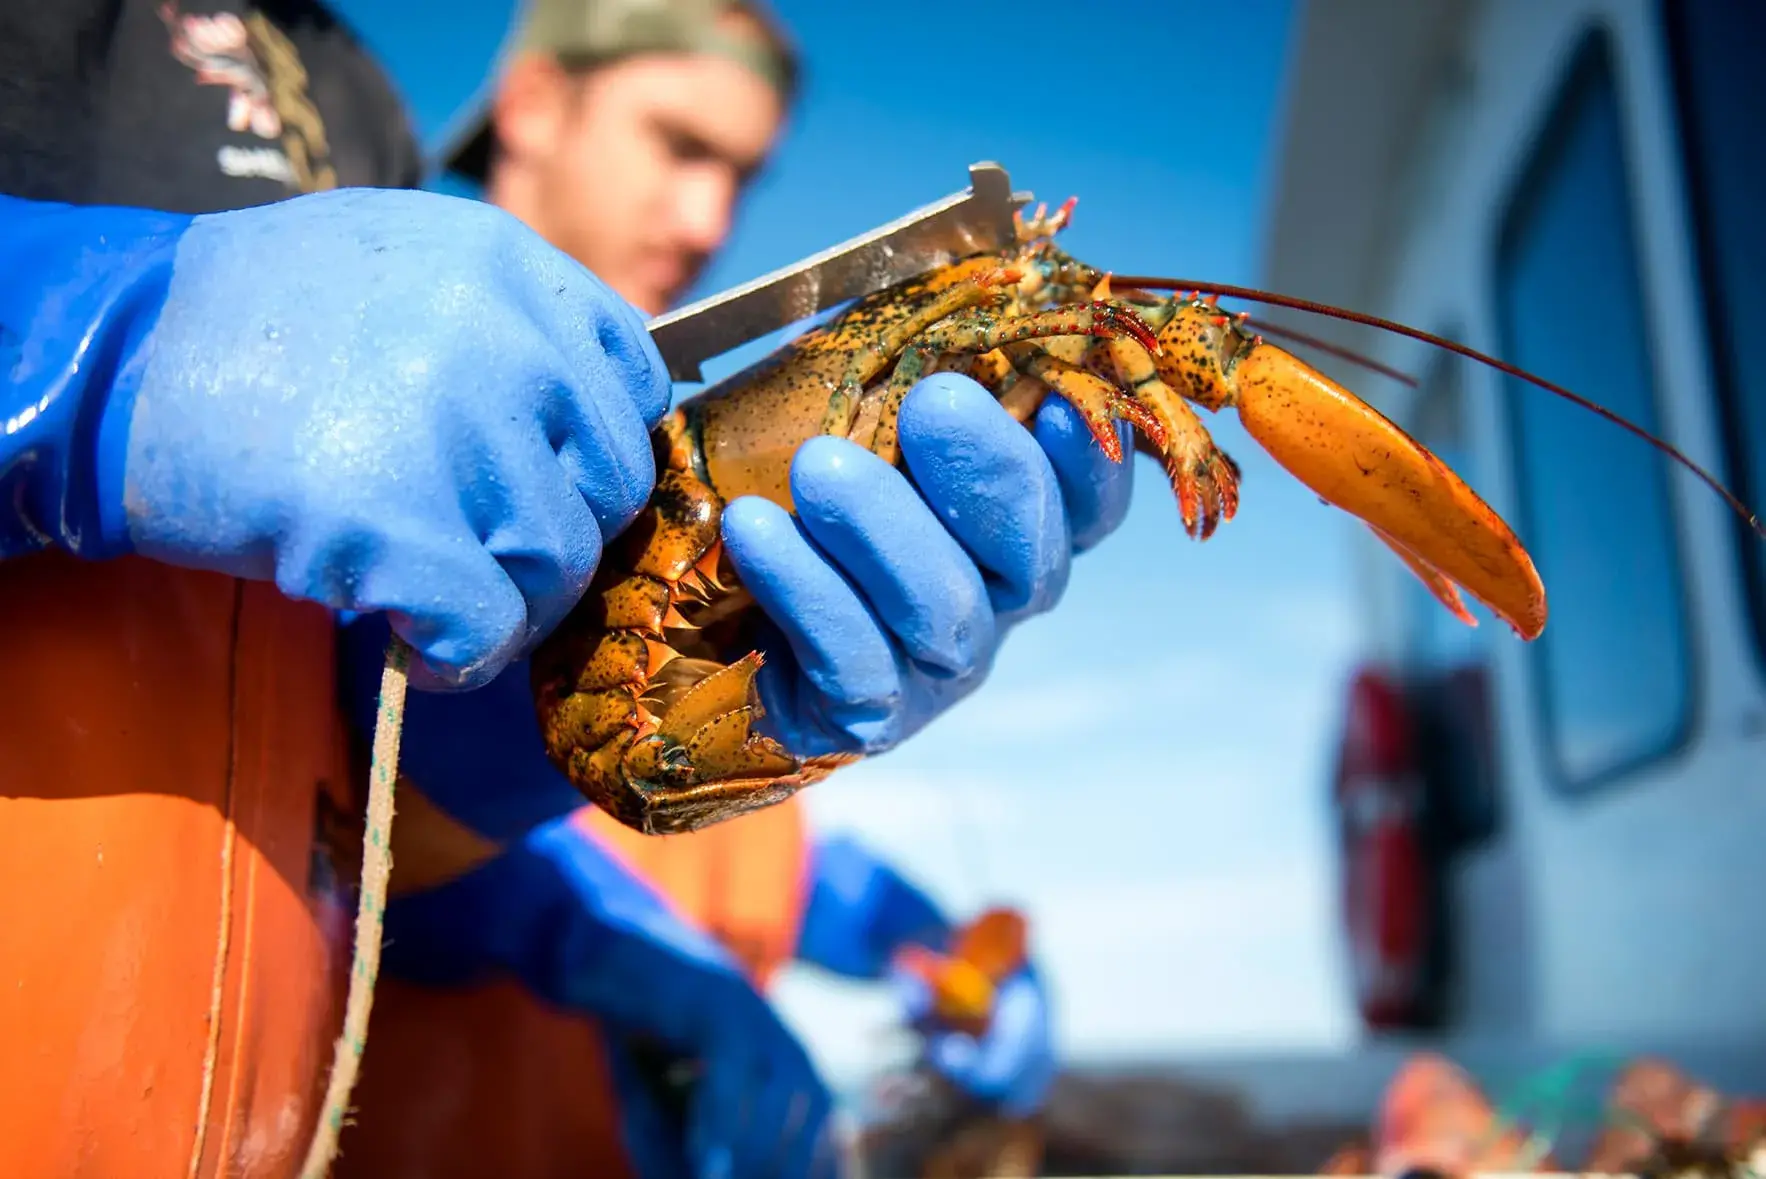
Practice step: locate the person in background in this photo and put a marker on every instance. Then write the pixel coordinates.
(578, 963)
(250, 389)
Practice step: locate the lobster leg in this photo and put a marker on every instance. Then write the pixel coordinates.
(914, 363)
(1097, 401)
(918, 348)
(843, 405)
(1113, 377)
(983, 331)
(1204, 476)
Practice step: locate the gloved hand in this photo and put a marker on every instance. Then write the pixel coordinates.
(988, 544)
(1012, 1065)
(861, 913)
(379, 400)
(566, 919)
(886, 605)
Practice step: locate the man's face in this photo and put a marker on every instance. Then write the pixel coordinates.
(635, 168)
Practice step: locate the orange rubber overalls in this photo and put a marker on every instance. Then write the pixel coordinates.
(178, 852)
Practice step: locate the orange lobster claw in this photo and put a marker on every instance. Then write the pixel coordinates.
(1359, 460)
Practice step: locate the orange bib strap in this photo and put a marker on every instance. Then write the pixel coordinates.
(744, 881)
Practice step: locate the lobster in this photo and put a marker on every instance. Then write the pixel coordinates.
(636, 700)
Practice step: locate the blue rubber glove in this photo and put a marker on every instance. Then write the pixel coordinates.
(886, 604)
(567, 920)
(861, 913)
(379, 400)
(1012, 1066)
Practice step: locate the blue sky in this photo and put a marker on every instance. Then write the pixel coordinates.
(1145, 772)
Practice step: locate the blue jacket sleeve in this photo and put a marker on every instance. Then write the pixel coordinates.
(576, 928)
(861, 912)
(83, 287)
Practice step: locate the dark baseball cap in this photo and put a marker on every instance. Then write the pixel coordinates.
(583, 34)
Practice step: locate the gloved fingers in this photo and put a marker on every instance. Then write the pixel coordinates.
(925, 589)
(836, 641)
(992, 486)
(608, 386)
(602, 438)
(1030, 1092)
(421, 415)
(796, 712)
(542, 493)
(532, 513)
(957, 1056)
(521, 504)
(593, 325)
(1015, 1044)
(1096, 490)
(461, 642)
(1019, 1031)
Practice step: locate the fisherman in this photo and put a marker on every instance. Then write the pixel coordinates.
(534, 1002)
(250, 391)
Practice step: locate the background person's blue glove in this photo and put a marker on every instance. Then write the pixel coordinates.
(1012, 1065)
(984, 541)
(887, 604)
(379, 400)
(560, 914)
(861, 913)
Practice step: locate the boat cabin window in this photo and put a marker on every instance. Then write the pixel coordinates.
(1612, 671)
(1718, 52)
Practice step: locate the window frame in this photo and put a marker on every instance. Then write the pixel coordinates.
(1593, 46)
(1739, 470)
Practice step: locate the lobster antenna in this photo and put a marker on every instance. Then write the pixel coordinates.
(1259, 296)
(1337, 350)
(1360, 359)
